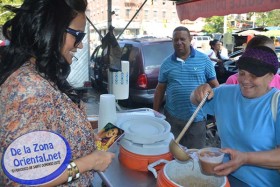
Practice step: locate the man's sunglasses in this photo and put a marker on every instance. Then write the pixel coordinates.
(78, 35)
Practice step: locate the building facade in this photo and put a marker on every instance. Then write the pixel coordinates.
(155, 18)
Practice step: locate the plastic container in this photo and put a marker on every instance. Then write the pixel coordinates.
(179, 174)
(158, 148)
(140, 162)
(209, 158)
(143, 129)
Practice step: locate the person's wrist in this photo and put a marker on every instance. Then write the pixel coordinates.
(70, 173)
(246, 158)
(85, 163)
(75, 169)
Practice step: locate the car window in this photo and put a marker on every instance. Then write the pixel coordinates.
(205, 38)
(126, 51)
(155, 53)
(99, 52)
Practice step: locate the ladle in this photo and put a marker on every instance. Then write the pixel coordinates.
(174, 146)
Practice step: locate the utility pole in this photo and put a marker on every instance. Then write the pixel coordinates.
(109, 13)
(225, 24)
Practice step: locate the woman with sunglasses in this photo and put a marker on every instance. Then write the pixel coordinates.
(34, 92)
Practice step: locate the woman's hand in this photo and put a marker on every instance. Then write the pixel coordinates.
(97, 160)
(199, 93)
(237, 159)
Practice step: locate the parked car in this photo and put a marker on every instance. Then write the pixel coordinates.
(198, 41)
(145, 56)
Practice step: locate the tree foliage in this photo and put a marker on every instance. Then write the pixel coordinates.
(214, 24)
(265, 19)
(4, 14)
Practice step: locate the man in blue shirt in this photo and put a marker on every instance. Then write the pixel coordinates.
(179, 75)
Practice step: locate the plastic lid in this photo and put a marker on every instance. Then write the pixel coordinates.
(140, 111)
(157, 148)
(144, 129)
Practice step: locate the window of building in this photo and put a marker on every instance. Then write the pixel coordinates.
(127, 12)
(163, 14)
(174, 15)
(155, 14)
(116, 14)
(146, 14)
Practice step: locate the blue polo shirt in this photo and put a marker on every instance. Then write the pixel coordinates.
(182, 77)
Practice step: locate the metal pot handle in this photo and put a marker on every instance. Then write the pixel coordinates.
(154, 164)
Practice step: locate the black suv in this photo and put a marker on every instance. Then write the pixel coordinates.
(145, 56)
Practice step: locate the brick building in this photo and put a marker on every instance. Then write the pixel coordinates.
(156, 18)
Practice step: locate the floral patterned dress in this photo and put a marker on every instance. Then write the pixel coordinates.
(29, 102)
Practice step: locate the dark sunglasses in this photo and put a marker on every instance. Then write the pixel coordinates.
(78, 35)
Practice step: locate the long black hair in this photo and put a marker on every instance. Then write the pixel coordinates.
(212, 44)
(38, 30)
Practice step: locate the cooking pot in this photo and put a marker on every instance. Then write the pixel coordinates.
(179, 174)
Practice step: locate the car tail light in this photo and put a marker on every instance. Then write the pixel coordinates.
(87, 84)
(142, 81)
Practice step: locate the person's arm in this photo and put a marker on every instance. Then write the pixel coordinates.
(232, 79)
(159, 96)
(212, 56)
(267, 159)
(95, 161)
(216, 60)
(213, 83)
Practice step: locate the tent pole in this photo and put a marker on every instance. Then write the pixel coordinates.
(131, 19)
(95, 28)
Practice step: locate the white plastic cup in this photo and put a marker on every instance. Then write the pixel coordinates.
(107, 110)
(209, 158)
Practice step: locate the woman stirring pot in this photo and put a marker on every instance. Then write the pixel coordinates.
(249, 135)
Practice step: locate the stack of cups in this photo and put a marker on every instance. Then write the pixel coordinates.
(107, 110)
(119, 82)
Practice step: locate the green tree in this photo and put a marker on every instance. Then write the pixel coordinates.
(265, 19)
(4, 14)
(214, 24)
